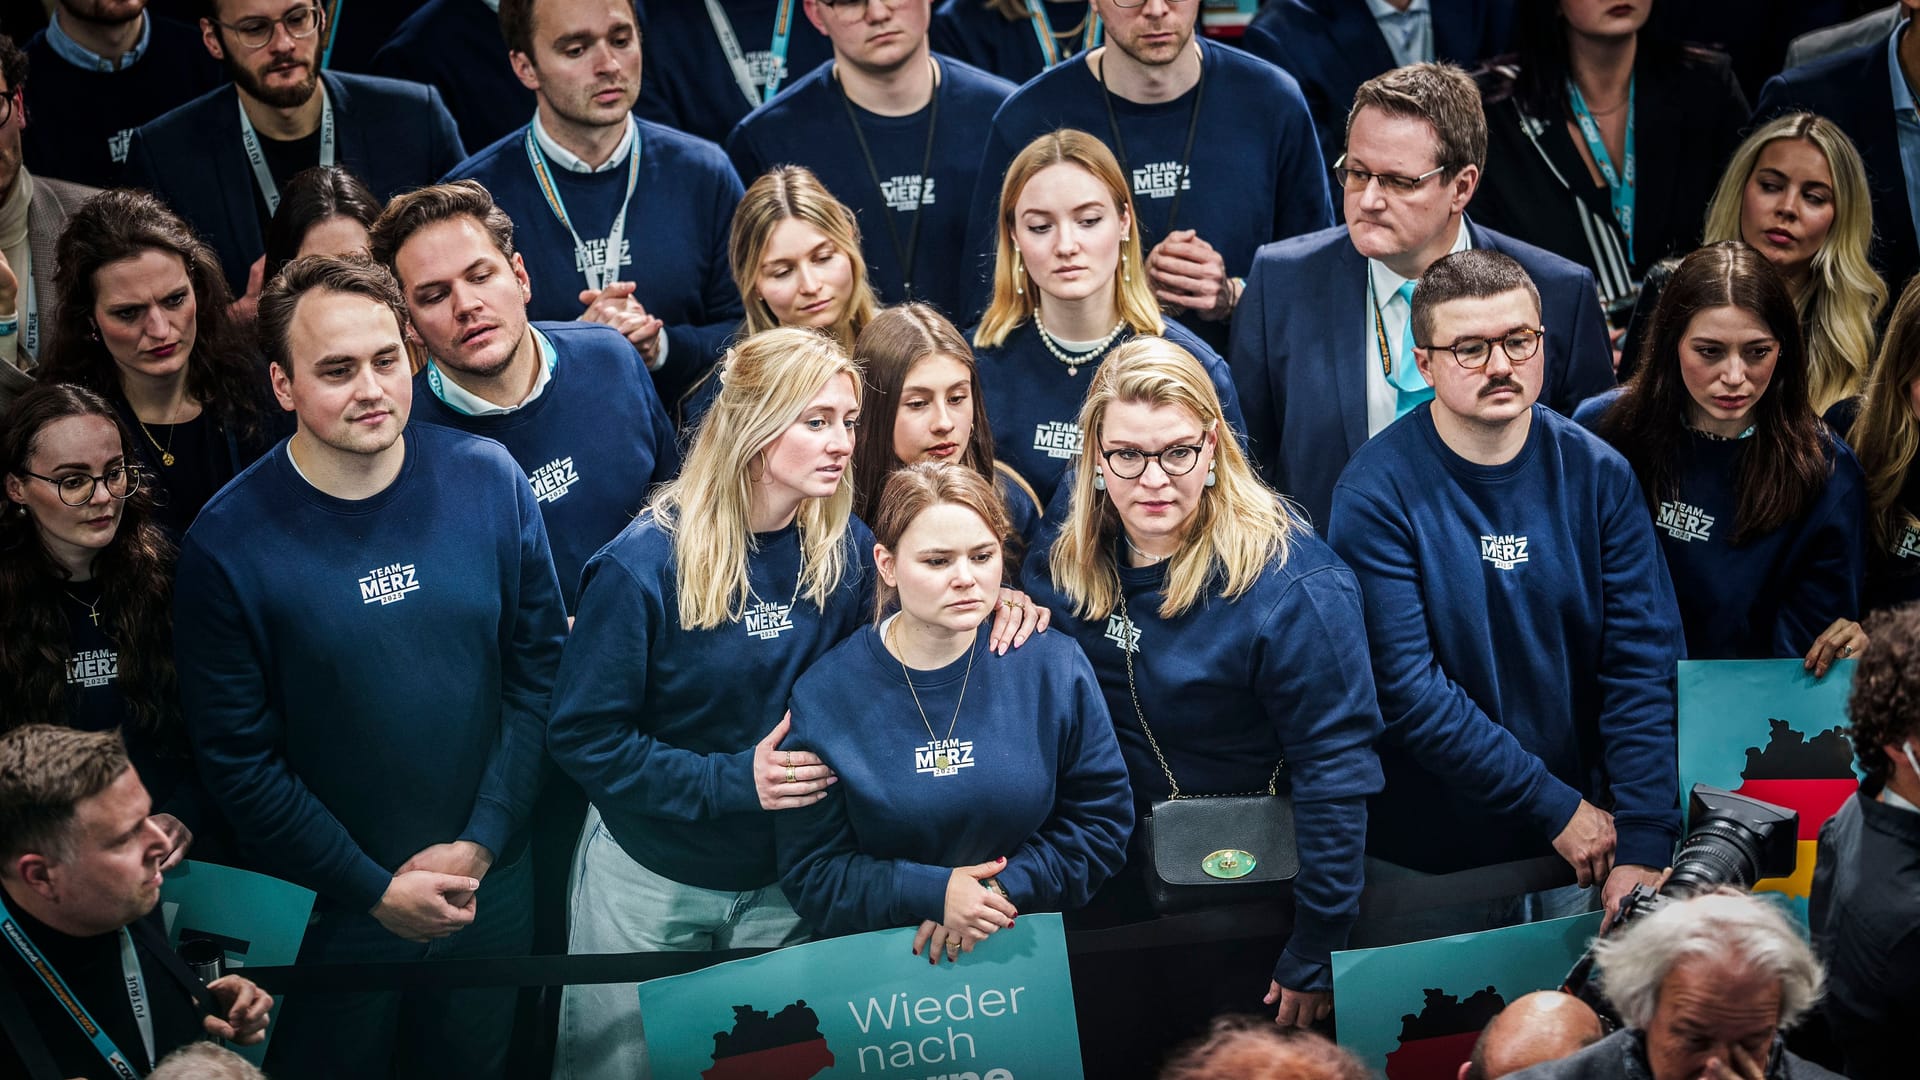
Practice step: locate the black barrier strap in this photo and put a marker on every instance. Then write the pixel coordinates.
(1236, 923)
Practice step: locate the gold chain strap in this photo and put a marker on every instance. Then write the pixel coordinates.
(1173, 786)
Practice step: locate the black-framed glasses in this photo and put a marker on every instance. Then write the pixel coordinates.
(1176, 460)
(7, 104)
(1140, 3)
(858, 6)
(76, 489)
(1356, 180)
(301, 22)
(1473, 353)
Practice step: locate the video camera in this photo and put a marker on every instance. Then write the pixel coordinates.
(1735, 841)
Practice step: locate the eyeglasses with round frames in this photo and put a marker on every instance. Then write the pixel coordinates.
(1519, 344)
(77, 489)
(8, 102)
(1128, 463)
(301, 22)
(1356, 180)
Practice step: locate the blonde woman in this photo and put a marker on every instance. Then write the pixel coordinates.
(1885, 437)
(1217, 621)
(795, 253)
(1796, 192)
(1068, 288)
(692, 626)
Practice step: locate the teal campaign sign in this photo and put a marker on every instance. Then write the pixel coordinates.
(865, 1006)
(258, 920)
(1769, 730)
(1412, 1012)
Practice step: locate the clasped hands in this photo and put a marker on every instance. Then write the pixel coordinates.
(975, 910)
(433, 894)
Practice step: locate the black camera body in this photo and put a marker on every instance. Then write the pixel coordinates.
(1734, 841)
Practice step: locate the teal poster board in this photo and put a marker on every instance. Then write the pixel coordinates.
(865, 1006)
(259, 920)
(1769, 730)
(1412, 1012)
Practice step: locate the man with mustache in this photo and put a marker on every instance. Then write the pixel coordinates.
(222, 159)
(621, 216)
(373, 722)
(1321, 354)
(102, 68)
(1523, 627)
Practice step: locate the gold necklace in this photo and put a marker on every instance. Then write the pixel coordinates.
(93, 609)
(166, 452)
(942, 758)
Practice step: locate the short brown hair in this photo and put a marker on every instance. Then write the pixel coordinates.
(355, 274)
(516, 25)
(409, 213)
(45, 771)
(918, 487)
(1473, 274)
(1442, 95)
(1252, 1048)
(1884, 704)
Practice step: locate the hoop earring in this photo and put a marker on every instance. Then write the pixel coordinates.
(1211, 478)
(1099, 480)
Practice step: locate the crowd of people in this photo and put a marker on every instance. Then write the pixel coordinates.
(546, 483)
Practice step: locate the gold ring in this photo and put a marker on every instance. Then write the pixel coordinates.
(789, 774)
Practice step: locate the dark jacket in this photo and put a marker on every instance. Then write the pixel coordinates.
(1853, 89)
(1866, 922)
(1687, 123)
(1623, 1056)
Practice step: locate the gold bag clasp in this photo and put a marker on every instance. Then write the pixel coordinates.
(1228, 863)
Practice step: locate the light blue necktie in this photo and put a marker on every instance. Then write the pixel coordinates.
(1405, 375)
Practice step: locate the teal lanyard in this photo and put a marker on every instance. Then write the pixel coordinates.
(1619, 182)
(1049, 44)
(57, 986)
(598, 276)
(737, 57)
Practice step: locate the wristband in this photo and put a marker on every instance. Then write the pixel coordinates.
(9, 326)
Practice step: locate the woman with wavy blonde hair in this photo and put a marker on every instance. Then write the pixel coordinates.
(1886, 439)
(1796, 192)
(1229, 643)
(1068, 288)
(795, 253)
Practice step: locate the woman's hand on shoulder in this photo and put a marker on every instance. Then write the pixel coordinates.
(974, 908)
(1015, 619)
(786, 779)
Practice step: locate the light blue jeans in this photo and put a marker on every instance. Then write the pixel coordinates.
(1443, 920)
(617, 906)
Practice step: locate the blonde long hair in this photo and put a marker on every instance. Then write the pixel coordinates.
(1239, 528)
(1886, 434)
(766, 383)
(1015, 296)
(1843, 295)
(792, 191)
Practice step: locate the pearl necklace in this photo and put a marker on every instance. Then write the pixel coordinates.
(1074, 360)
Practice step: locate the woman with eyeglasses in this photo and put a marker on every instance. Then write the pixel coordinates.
(1605, 139)
(86, 579)
(1232, 650)
(1760, 509)
(1068, 288)
(143, 322)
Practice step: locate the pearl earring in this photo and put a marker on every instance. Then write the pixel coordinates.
(1099, 480)
(1019, 275)
(1211, 478)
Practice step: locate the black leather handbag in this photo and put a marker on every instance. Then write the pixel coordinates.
(1210, 850)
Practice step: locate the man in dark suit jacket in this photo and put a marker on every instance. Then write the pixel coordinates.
(1332, 46)
(394, 135)
(1855, 89)
(1322, 350)
(455, 46)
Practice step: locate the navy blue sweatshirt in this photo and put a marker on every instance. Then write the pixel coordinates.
(658, 724)
(592, 444)
(455, 47)
(1033, 405)
(1525, 637)
(1256, 174)
(1035, 777)
(1009, 48)
(687, 82)
(1231, 687)
(83, 119)
(363, 679)
(1772, 595)
(808, 125)
(677, 225)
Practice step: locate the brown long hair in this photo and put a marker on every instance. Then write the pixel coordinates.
(897, 339)
(120, 224)
(1785, 465)
(135, 572)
